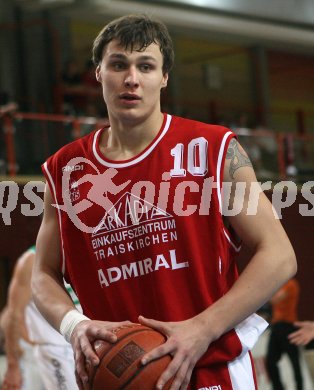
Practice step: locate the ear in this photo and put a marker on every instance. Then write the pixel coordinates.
(98, 75)
(164, 81)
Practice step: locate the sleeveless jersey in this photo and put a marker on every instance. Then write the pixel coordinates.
(145, 235)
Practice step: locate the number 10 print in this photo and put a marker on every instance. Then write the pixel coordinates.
(197, 158)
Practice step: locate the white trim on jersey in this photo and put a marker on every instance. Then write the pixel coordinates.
(241, 373)
(45, 165)
(249, 331)
(219, 185)
(240, 369)
(136, 160)
(236, 248)
(219, 163)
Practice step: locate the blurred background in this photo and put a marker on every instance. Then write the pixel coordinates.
(247, 65)
(238, 63)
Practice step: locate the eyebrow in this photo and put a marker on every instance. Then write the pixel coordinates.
(124, 57)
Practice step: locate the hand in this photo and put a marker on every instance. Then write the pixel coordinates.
(303, 335)
(12, 378)
(82, 339)
(187, 342)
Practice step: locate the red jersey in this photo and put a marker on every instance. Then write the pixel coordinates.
(146, 235)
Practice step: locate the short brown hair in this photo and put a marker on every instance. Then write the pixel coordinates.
(135, 32)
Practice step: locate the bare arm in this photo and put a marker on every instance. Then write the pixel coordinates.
(48, 290)
(14, 322)
(273, 261)
(52, 299)
(272, 264)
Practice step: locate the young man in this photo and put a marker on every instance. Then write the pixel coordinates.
(137, 226)
(38, 357)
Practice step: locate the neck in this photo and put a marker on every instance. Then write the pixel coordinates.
(126, 139)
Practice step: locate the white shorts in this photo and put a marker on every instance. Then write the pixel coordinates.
(241, 373)
(29, 368)
(56, 365)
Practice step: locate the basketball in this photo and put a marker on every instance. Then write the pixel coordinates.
(120, 363)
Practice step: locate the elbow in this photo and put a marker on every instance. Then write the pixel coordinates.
(290, 263)
(294, 264)
(284, 257)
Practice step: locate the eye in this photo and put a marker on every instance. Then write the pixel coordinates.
(145, 67)
(118, 65)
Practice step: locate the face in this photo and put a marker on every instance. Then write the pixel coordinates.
(131, 82)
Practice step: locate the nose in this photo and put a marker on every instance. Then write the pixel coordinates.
(131, 78)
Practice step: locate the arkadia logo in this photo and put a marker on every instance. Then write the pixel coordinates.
(128, 211)
(131, 224)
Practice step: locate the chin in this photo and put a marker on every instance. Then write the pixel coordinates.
(131, 116)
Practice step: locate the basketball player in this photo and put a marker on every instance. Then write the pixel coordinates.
(156, 250)
(37, 356)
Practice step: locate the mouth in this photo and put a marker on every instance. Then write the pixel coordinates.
(129, 97)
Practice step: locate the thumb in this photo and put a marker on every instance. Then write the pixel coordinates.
(157, 325)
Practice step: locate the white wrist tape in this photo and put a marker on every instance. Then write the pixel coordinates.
(69, 322)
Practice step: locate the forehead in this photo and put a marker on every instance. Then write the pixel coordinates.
(114, 49)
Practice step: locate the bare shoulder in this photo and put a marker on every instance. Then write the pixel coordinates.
(236, 159)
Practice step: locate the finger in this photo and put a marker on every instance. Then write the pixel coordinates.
(169, 373)
(158, 325)
(304, 340)
(121, 324)
(294, 340)
(81, 367)
(296, 335)
(101, 333)
(182, 378)
(293, 335)
(127, 322)
(85, 350)
(185, 384)
(298, 340)
(78, 381)
(156, 353)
